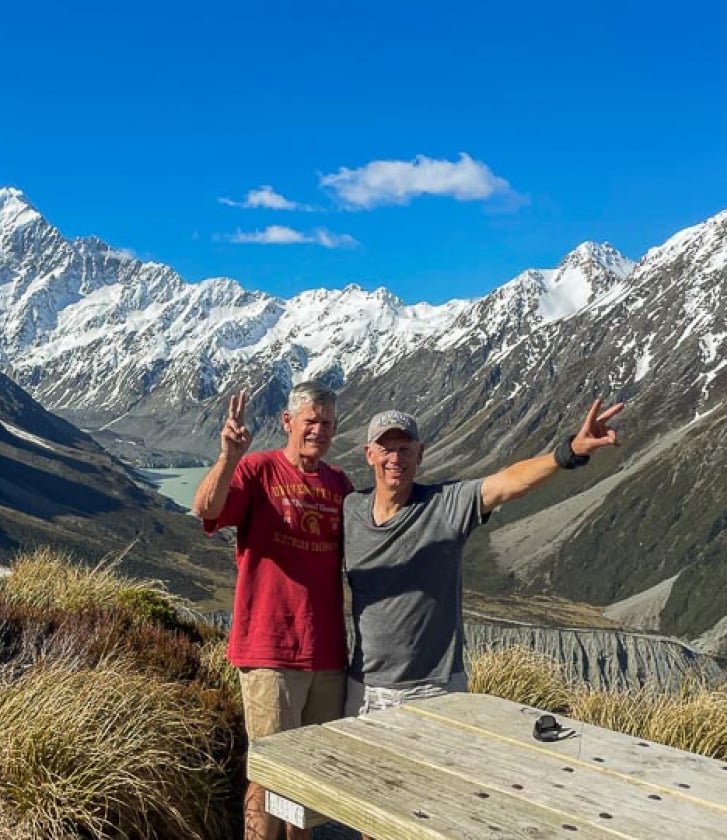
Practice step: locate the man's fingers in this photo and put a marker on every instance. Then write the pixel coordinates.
(606, 439)
(593, 412)
(237, 407)
(590, 418)
(594, 429)
(610, 412)
(605, 436)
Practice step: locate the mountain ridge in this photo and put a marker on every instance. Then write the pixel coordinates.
(180, 344)
(145, 363)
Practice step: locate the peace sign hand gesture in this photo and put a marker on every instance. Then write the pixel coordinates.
(235, 438)
(595, 432)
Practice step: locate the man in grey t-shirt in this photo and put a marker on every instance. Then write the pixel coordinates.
(403, 546)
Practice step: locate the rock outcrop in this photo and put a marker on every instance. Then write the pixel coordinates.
(605, 659)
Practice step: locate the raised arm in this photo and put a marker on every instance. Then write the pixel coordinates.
(235, 439)
(517, 480)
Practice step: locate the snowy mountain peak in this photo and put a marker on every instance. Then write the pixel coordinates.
(585, 274)
(704, 245)
(103, 329)
(602, 255)
(15, 210)
(107, 339)
(537, 297)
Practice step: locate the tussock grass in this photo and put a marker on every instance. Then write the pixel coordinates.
(215, 667)
(520, 675)
(95, 752)
(46, 579)
(693, 719)
(119, 715)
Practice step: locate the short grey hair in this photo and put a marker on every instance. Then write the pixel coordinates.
(310, 393)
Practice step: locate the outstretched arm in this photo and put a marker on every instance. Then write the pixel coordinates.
(235, 439)
(517, 480)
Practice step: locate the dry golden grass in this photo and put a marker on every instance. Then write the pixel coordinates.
(48, 579)
(695, 719)
(107, 753)
(520, 675)
(543, 610)
(119, 717)
(216, 668)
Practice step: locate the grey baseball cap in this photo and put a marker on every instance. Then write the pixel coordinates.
(386, 421)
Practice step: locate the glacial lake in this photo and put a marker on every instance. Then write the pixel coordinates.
(179, 483)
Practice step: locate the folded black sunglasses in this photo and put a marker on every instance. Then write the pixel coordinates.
(547, 728)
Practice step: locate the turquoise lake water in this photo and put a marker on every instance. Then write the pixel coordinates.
(177, 483)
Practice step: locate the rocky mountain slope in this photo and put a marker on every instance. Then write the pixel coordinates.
(60, 488)
(145, 363)
(650, 511)
(612, 660)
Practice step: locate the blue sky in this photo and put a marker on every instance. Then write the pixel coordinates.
(435, 148)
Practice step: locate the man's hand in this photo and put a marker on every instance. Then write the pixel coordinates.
(235, 438)
(595, 433)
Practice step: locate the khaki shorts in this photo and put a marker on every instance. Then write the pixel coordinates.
(275, 699)
(361, 698)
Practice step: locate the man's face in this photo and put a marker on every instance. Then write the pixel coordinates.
(310, 430)
(395, 458)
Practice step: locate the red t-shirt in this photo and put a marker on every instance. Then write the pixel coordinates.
(288, 610)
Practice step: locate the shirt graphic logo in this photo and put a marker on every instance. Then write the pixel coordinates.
(310, 522)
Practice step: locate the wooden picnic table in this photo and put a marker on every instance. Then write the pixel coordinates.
(468, 766)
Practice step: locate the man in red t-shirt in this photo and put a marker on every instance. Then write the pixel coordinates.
(288, 633)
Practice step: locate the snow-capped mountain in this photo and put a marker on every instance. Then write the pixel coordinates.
(109, 341)
(101, 337)
(145, 362)
(653, 509)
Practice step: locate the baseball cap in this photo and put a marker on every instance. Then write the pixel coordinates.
(385, 421)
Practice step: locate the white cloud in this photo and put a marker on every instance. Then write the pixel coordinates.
(282, 235)
(266, 197)
(334, 240)
(398, 181)
(272, 235)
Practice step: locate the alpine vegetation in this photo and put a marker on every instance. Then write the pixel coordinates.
(117, 716)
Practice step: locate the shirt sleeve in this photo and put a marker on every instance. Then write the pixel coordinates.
(463, 503)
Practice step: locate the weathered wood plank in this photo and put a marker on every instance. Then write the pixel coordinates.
(544, 778)
(292, 812)
(466, 766)
(390, 797)
(687, 775)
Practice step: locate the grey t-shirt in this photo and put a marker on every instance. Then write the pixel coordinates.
(406, 584)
